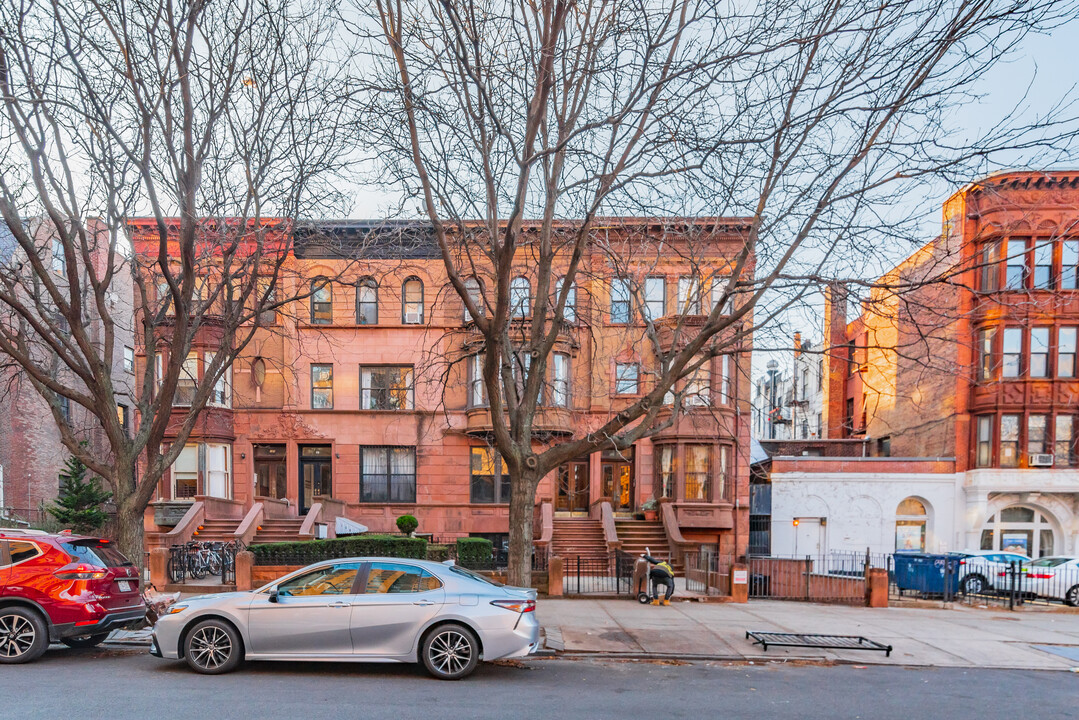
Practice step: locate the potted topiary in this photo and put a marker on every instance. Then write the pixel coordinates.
(651, 509)
(407, 524)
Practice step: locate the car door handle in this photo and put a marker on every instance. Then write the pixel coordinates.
(340, 604)
(423, 603)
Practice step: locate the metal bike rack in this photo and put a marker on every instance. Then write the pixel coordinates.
(826, 642)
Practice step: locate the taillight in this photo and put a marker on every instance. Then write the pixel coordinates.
(81, 572)
(1041, 576)
(518, 606)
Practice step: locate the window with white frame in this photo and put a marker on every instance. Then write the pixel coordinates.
(569, 310)
(221, 395)
(475, 294)
(560, 380)
(621, 305)
(689, 295)
(129, 359)
(725, 379)
(412, 301)
(188, 382)
(697, 388)
(185, 473)
(719, 287)
(386, 388)
(655, 298)
(627, 378)
(218, 470)
(477, 395)
(59, 260)
(520, 297)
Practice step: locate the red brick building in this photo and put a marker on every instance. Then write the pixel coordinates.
(31, 452)
(364, 402)
(965, 355)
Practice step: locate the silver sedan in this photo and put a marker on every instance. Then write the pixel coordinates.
(356, 610)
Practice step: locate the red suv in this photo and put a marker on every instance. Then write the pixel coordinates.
(62, 587)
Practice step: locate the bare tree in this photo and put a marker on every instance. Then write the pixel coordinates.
(806, 119)
(221, 123)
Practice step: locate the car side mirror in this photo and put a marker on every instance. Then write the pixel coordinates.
(273, 595)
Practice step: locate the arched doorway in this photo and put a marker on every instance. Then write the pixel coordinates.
(1020, 529)
(911, 522)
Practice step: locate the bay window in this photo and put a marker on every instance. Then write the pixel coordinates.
(1037, 435)
(1039, 352)
(984, 456)
(1009, 440)
(1066, 352)
(489, 479)
(477, 392)
(665, 471)
(560, 380)
(1015, 276)
(698, 469)
(655, 298)
(1012, 355)
(986, 370)
(1064, 440)
(689, 295)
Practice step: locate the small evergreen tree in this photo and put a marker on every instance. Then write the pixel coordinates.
(80, 501)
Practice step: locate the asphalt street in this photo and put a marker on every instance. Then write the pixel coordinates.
(117, 684)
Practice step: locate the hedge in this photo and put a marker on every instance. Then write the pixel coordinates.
(303, 553)
(475, 552)
(438, 553)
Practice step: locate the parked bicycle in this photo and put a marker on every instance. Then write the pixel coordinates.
(198, 559)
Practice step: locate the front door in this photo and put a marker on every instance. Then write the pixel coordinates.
(270, 475)
(808, 537)
(573, 491)
(618, 485)
(316, 474)
(311, 615)
(387, 618)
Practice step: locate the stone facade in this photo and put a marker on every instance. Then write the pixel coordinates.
(370, 398)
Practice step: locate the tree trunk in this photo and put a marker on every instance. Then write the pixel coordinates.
(522, 501)
(129, 531)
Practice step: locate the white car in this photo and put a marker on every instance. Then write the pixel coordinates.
(984, 571)
(1055, 578)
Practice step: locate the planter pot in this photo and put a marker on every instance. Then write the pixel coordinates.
(650, 515)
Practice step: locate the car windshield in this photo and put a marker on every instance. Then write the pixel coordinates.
(1049, 562)
(475, 576)
(96, 552)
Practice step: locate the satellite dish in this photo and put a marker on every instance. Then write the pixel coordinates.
(258, 371)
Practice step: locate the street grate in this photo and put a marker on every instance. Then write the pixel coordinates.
(828, 642)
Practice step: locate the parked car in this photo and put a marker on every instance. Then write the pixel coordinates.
(62, 588)
(357, 610)
(1055, 578)
(982, 571)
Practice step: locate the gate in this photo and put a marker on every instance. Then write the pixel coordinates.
(612, 575)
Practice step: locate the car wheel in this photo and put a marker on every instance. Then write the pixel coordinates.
(23, 635)
(84, 641)
(450, 652)
(974, 585)
(1072, 596)
(213, 647)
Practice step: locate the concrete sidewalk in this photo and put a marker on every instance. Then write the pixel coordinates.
(956, 637)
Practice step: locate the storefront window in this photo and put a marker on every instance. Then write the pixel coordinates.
(1021, 530)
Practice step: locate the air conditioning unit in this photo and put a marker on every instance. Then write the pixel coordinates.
(413, 318)
(1041, 460)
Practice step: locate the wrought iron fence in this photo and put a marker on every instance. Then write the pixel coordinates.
(611, 575)
(984, 580)
(708, 572)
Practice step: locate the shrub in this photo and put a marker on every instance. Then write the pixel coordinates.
(438, 553)
(407, 524)
(302, 553)
(475, 552)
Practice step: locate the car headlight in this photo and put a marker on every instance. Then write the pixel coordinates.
(173, 609)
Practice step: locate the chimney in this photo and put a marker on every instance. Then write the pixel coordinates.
(835, 360)
(797, 345)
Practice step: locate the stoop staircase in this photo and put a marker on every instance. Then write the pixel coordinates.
(578, 537)
(636, 535)
(280, 530)
(216, 529)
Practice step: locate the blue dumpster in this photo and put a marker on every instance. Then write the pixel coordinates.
(927, 573)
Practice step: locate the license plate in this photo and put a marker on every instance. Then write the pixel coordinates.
(125, 586)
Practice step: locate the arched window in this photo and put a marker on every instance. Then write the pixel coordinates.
(412, 301)
(569, 312)
(367, 302)
(475, 294)
(1019, 529)
(910, 525)
(520, 297)
(321, 302)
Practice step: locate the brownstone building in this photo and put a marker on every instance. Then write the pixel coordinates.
(365, 402)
